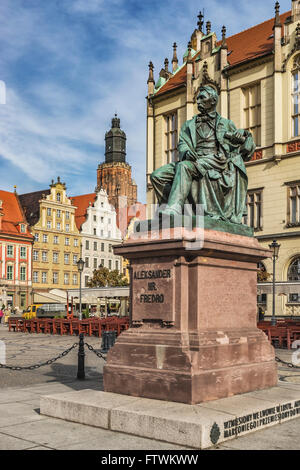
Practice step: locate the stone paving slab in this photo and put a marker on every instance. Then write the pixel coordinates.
(13, 443)
(197, 426)
(19, 413)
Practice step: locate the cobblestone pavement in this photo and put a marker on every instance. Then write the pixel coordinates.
(22, 427)
(25, 349)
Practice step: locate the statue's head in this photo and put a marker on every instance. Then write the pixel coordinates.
(207, 99)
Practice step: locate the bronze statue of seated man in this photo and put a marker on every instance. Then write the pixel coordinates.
(211, 169)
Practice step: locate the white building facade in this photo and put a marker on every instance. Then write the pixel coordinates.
(99, 233)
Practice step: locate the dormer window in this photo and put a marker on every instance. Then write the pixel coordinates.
(58, 197)
(23, 228)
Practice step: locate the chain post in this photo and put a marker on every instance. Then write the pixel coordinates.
(81, 355)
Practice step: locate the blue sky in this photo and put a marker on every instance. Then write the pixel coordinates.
(69, 65)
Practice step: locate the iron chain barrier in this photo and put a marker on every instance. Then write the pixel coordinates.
(289, 364)
(41, 364)
(81, 355)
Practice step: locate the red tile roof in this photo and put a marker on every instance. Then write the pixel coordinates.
(82, 203)
(249, 44)
(13, 215)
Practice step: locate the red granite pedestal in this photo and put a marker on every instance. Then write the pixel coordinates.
(193, 336)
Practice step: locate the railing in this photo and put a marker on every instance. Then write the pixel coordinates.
(284, 334)
(61, 326)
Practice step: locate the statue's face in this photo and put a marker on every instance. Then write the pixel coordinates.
(205, 101)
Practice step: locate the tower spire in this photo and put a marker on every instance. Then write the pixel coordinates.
(200, 21)
(175, 59)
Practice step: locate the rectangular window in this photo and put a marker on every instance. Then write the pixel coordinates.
(23, 228)
(45, 238)
(66, 278)
(102, 247)
(95, 263)
(44, 277)
(58, 225)
(75, 242)
(55, 257)
(87, 245)
(67, 215)
(254, 209)
(35, 276)
(55, 240)
(86, 280)
(23, 273)
(293, 210)
(36, 237)
(10, 251)
(67, 241)
(95, 218)
(75, 258)
(55, 278)
(35, 255)
(87, 262)
(110, 248)
(95, 231)
(252, 112)
(75, 279)
(171, 132)
(102, 263)
(58, 214)
(67, 258)
(48, 211)
(117, 265)
(23, 252)
(9, 272)
(67, 227)
(44, 256)
(109, 264)
(48, 224)
(95, 246)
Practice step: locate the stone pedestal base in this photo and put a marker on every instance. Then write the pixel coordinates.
(190, 368)
(193, 336)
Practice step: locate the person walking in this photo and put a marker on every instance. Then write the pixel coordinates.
(1, 314)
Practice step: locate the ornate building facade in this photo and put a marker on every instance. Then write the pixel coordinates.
(15, 253)
(96, 219)
(56, 248)
(256, 73)
(114, 175)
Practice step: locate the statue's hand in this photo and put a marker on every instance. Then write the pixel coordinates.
(190, 157)
(237, 138)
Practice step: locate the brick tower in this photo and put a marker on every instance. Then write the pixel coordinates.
(114, 175)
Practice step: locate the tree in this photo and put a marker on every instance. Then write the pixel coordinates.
(103, 277)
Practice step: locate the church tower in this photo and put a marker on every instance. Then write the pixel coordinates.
(114, 175)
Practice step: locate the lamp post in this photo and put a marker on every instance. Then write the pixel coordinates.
(80, 266)
(275, 249)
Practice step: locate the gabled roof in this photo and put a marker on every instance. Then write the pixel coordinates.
(82, 203)
(31, 206)
(13, 215)
(249, 44)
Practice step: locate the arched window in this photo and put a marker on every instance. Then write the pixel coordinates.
(294, 275)
(296, 96)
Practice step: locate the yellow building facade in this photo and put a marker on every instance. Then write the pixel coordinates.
(257, 75)
(57, 240)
